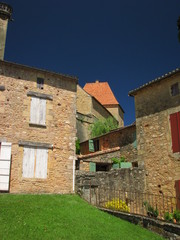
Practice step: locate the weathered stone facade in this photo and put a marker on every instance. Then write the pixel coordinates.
(125, 138)
(130, 180)
(19, 84)
(154, 103)
(88, 111)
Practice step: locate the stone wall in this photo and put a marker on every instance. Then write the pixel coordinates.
(117, 112)
(60, 128)
(154, 104)
(98, 157)
(88, 111)
(131, 180)
(125, 138)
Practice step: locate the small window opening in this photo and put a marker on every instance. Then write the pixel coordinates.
(103, 167)
(40, 83)
(96, 145)
(174, 89)
(134, 164)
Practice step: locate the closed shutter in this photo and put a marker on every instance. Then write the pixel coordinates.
(91, 146)
(177, 186)
(5, 162)
(38, 111)
(92, 167)
(28, 162)
(41, 163)
(42, 111)
(175, 131)
(34, 110)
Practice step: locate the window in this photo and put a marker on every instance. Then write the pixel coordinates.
(96, 145)
(35, 162)
(38, 111)
(175, 89)
(40, 83)
(175, 131)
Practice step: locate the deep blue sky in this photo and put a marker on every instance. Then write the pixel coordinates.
(124, 42)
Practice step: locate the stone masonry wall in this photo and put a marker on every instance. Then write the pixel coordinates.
(60, 127)
(154, 104)
(130, 180)
(124, 138)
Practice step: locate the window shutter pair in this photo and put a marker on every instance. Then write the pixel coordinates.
(35, 162)
(175, 131)
(38, 111)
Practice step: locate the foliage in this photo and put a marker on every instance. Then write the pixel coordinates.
(171, 216)
(118, 205)
(50, 216)
(77, 146)
(100, 127)
(176, 215)
(168, 216)
(151, 212)
(118, 160)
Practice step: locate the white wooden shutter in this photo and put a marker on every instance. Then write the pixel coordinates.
(5, 162)
(28, 162)
(41, 163)
(38, 111)
(34, 117)
(42, 111)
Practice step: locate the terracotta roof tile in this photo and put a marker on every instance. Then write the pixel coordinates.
(102, 92)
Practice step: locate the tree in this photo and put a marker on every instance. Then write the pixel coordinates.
(178, 25)
(100, 127)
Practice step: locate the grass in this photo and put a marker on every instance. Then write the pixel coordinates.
(61, 217)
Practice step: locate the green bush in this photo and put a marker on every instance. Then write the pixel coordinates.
(176, 215)
(151, 212)
(101, 127)
(168, 216)
(77, 146)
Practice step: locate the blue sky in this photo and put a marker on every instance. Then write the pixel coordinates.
(126, 43)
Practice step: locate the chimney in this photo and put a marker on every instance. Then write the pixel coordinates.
(5, 15)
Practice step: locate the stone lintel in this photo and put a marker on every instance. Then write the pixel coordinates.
(40, 95)
(35, 144)
(2, 88)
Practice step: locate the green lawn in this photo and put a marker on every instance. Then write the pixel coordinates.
(61, 217)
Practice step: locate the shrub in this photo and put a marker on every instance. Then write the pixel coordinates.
(118, 205)
(103, 126)
(151, 212)
(77, 146)
(176, 215)
(168, 216)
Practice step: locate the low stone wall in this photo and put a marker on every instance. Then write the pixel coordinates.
(131, 179)
(168, 230)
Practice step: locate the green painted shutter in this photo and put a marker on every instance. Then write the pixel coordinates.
(92, 167)
(91, 146)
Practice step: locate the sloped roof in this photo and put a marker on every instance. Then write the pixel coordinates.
(133, 92)
(102, 92)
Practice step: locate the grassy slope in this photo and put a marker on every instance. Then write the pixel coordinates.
(61, 217)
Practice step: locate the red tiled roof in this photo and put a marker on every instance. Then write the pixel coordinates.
(102, 92)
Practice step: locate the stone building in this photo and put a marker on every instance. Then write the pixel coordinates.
(117, 143)
(89, 109)
(157, 106)
(103, 93)
(38, 130)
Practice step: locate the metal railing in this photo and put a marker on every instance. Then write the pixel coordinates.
(141, 203)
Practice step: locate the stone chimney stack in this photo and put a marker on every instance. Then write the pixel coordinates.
(5, 16)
